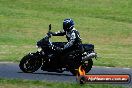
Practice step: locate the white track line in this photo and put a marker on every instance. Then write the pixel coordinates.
(5, 62)
(93, 66)
(111, 67)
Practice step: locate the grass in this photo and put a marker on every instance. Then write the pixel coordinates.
(14, 83)
(105, 23)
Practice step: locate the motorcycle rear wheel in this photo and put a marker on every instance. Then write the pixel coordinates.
(30, 63)
(87, 67)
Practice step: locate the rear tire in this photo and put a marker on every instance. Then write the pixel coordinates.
(87, 67)
(30, 63)
(74, 72)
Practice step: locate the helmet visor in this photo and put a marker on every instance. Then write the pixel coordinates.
(66, 26)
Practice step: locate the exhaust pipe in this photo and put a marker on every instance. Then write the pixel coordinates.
(89, 56)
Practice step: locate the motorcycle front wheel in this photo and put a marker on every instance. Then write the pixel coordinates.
(30, 63)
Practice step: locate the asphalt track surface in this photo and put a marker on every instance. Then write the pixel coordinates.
(12, 71)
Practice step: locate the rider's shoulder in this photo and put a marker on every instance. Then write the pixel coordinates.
(74, 30)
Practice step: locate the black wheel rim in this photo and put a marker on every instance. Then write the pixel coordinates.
(31, 65)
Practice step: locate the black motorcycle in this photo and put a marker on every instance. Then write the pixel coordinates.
(50, 58)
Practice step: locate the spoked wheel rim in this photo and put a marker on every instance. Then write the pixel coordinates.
(31, 65)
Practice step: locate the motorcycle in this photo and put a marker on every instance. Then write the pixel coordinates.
(50, 59)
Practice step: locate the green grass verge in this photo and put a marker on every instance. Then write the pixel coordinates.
(105, 23)
(5, 83)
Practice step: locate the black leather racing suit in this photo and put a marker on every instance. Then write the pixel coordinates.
(73, 48)
(73, 37)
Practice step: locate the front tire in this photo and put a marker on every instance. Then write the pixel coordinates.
(30, 63)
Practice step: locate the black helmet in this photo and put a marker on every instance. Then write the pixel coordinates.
(68, 24)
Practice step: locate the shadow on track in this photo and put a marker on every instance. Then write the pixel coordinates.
(50, 73)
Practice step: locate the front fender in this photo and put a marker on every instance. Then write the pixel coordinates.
(36, 54)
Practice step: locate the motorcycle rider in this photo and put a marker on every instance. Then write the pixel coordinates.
(72, 35)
